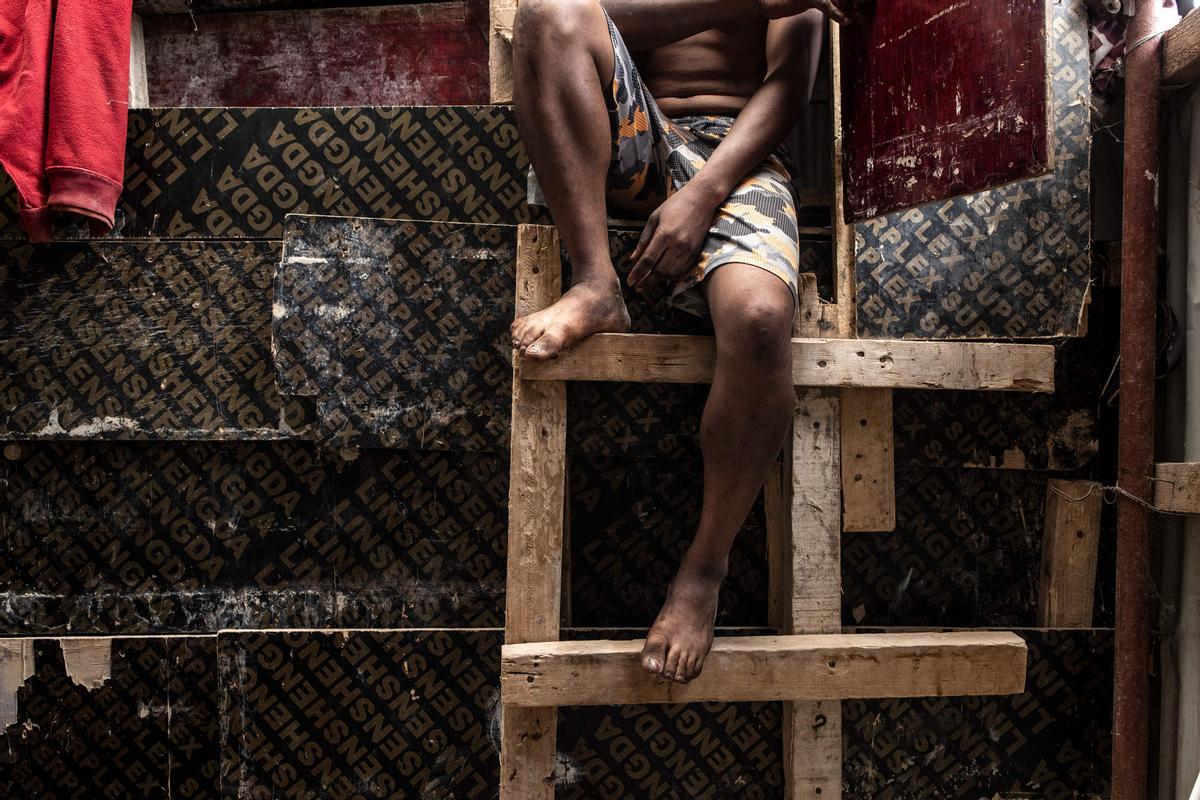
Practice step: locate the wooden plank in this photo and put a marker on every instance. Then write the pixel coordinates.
(411, 54)
(868, 461)
(926, 115)
(1177, 487)
(537, 494)
(770, 668)
(813, 728)
(139, 87)
(863, 363)
(500, 52)
(816, 591)
(1070, 548)
(1181, 51)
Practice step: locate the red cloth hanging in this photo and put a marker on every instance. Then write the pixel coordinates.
(64, 108)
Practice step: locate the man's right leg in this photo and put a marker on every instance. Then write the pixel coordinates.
(563, 66)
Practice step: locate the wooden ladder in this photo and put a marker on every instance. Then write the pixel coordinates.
(814, 665)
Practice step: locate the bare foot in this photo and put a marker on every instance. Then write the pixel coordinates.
(585, 309)
(681, 637)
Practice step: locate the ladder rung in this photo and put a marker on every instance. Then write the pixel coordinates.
(766, 668)
(867, 363)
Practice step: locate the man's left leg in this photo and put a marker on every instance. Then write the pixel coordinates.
(745, 421)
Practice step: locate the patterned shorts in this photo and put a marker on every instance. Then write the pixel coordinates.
(653, 156)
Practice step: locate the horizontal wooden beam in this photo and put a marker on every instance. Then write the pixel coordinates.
(1177, 487)
(867, 363)
(769, 668)
(1181, 51)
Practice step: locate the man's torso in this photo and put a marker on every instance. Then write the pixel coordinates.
(714, 72)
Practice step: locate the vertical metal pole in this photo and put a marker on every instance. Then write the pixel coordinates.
(1135, 438)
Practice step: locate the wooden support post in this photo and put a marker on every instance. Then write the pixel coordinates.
(1070, 542)
(769, 668)
(502, 13)
(812, 732)
(139, 85)
(536, 505)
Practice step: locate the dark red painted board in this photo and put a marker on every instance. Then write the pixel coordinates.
(941, 99)
(428, 54)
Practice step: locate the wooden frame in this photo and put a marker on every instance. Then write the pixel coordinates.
(810, 670)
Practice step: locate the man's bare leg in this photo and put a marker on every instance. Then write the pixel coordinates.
(563, 62)
(745, 421)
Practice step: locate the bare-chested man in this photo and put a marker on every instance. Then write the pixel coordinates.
(688, 138)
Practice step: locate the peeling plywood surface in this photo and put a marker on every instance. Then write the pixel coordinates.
(412, 54)
(234, 173)
(87, 660)
(104, 538)
(139, 340)
(1012, 262)
(398, 331)
(149, 730)
(940, 99)
(16, 666)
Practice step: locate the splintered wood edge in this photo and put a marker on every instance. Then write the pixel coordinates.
(865, 363)
(771, 668)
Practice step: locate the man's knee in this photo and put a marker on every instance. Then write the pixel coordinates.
(556, 21)
(760, 332)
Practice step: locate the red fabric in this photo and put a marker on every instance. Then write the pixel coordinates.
(64, 108)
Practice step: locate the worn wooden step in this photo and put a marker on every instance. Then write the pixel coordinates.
(868, 363)
(769, 668)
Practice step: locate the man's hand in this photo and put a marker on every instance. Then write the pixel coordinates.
(671, 240)
(836, 10)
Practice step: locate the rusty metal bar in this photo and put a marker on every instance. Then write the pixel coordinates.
(1135, 437)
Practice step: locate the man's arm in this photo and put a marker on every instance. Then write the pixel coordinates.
(675, 231)
(646, 24)
(793, 50)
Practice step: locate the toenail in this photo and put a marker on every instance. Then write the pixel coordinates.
(653, 664)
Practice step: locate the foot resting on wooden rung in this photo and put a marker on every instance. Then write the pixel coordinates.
(752, 668)
(865, 363)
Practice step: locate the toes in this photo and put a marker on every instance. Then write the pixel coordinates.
(671, 668)
(687, 664)
(697, 664)
(654, 654)
(527, 335)
(545, 347)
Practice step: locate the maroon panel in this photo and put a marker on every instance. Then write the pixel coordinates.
(941, 99)
(429, 54)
